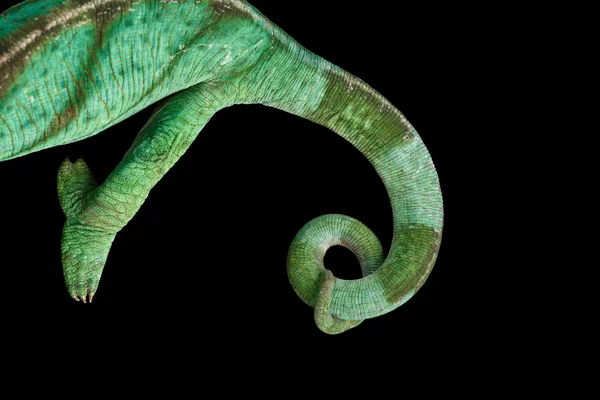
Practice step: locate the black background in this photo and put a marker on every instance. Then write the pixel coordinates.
(213, 235)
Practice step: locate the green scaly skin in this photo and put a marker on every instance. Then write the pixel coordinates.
(72, 68)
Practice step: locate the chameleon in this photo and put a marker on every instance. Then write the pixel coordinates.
(70, 69)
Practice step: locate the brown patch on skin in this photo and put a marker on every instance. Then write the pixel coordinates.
(3, 47)
(16, 59)
(229, 8)
(35, 35)
(20, 45)
(101, 17)
(62, 119)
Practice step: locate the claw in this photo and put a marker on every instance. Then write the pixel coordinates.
(83, 299)
(91, 297)
(74, 296)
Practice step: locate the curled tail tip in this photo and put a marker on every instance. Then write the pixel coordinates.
(326, 322)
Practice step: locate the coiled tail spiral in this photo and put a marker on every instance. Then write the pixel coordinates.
(304, 84)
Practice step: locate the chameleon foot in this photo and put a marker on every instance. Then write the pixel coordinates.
(84, 253)
(87, 233)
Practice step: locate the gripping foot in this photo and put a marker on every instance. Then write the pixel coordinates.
(84, 253)
(87, 237)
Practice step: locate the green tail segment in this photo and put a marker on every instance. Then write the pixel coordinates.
(362, 116)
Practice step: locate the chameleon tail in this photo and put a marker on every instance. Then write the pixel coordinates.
(305, 84)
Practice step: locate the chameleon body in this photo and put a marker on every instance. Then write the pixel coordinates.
(72, 68)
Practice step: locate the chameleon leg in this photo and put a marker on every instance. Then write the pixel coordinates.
(95, 213)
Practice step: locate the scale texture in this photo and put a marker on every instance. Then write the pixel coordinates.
(69, 69)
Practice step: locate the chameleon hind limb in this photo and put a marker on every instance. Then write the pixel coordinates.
(96, 213)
